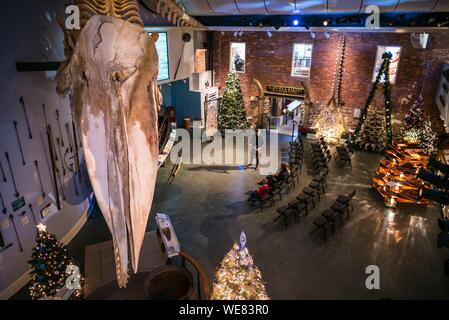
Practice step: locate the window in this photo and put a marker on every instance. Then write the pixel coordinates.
(394, 63)
(302, 59)
(237, 57)
(162, 51)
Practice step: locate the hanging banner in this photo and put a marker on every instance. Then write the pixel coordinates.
(211, 109)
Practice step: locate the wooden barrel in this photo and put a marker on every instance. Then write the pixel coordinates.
(169, 283)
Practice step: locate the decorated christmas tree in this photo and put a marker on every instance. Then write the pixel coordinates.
(415, 129)
(49, 262)
(381, 101)
(373, 135)
(238, 278)
(231, 112)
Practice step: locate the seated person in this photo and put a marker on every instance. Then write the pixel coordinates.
(284, 173)
(260, 192)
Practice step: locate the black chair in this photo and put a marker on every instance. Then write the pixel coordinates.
(287, 213)
(263, 200)
(300, 207)
(341, 209)
(312, 192)
(307, 199)
(294, 174)
(275, 191)
(347, 199)
(318, 186)
(330, 215)
(321, 223)
(290, 182)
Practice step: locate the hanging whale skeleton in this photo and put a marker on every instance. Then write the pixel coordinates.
(111, 70)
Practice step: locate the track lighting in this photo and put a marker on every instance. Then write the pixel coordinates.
(313, 35)
(327, 34)
(236, 34)
(269, 34)
(240, 33)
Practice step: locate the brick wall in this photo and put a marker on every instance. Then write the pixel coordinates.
(269, 60)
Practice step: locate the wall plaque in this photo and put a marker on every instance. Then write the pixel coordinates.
(18, 203)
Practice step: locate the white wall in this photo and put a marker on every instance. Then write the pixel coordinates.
(29, 32)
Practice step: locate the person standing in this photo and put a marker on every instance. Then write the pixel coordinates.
(256, 145)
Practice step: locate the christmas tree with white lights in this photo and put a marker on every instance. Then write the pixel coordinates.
(49, 261)
(231, 110)
(415, 129)
(238, 278)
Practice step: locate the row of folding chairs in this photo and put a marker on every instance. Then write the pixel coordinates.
(306, 200)
(344, 153)
(296, 153)
(337, 212)
(321, 155)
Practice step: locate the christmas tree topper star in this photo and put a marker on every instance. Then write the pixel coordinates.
(41, 227)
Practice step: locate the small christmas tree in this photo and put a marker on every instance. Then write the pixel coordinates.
(373, 135)
(238, 278)
(416, 129)
(231, 112)
(49, 262)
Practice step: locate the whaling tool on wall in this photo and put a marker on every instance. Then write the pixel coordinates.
(26, 117)
(53, 166)
(4, 209)
(75, 141)
(18, 141)
(70, 137)
(32, 213)
(51, 136)
(59, 126)
(3, 172)
(16, 192)
(58, 142)
(11, 217)
(36, 164)
(2, 242)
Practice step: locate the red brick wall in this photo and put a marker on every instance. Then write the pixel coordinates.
(269, 61)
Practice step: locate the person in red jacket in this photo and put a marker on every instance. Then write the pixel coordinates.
(260, 192)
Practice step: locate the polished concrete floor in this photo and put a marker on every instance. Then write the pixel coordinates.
(208, 208)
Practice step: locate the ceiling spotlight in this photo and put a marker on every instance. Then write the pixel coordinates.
(240, 33)
(296, 22)
(313, 35)
(327, 34)
(236, 34)
(269, 34)
(325, 23)
(222, 33)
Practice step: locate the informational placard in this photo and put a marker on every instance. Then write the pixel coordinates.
(168, 235)
(18, 203)
(48, 209)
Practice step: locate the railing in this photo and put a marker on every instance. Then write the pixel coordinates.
(203, 282)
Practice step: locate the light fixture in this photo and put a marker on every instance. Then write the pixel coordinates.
(313, 35)
(327, 34)
(325, 23)
(296, 22)
(269, 34)
(240, 33)
(236, 34)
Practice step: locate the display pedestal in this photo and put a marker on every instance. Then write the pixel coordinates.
(395, 178)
